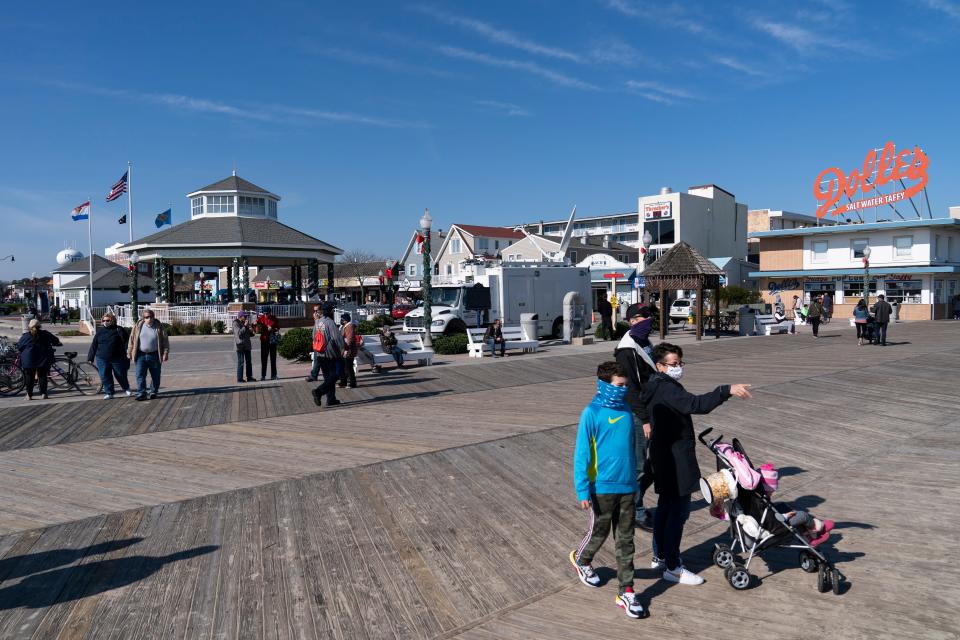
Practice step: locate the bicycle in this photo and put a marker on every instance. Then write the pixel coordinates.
(12, 380)
(81, 376)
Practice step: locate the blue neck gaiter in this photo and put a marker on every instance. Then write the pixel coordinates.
(610, 396)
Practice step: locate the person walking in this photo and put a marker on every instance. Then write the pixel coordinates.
(860, 317)
(108, 351)
(328, 349)
(349, 333)
(798, 315)
(881, 315)
(605, 309)
(956, 307)
(148, 349)
(54, 314)
(36, 356)
(814, 315)
(242, 333)
(64, 314)
(827, 308)
(268, 327)
(388, 342)
(632, 353)
(493, 337)
(317, 323)
(673, 452)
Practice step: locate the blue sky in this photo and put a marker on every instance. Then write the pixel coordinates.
(359, 115)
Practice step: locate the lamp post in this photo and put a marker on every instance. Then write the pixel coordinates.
(425, 223)
(383, 290)
(646, 261)
(203, 278)
(134, 277)
(866, 276)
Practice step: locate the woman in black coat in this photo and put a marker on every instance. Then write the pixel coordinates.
(36, 356)
(673, 454)
(109, 352)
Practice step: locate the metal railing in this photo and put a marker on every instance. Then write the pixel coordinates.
(194, 314)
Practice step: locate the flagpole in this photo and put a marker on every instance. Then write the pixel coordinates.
(130, 199)
(90, 251)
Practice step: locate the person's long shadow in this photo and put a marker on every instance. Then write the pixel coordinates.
(18, 566)
(72, 583)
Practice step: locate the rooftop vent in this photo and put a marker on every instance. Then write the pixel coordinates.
(665, 190)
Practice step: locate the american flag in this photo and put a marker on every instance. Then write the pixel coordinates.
(118, 189)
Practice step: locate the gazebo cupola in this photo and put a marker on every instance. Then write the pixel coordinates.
(233, 197)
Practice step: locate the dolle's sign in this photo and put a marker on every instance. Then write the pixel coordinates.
(889, 166)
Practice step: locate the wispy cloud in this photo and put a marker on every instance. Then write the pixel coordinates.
(498, 36)
(805, 40)
(671, 14)
(373, 60)
(946, 7)
(738, 65)
(519, 65)
(507, 108)
(675, 92)
(618, 52)
(263, 113)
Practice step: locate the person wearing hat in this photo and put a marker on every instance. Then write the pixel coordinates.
(327, 334)
(349, 333)
(36, 356)
(633, 354)
(242, 332)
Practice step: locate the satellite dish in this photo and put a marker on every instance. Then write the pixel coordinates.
(565, 240)
(69, 255)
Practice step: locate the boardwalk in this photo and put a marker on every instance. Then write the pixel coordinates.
(439, 504)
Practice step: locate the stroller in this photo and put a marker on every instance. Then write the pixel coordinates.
(746, 508)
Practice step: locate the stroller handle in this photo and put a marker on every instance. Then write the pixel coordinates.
(703, 433)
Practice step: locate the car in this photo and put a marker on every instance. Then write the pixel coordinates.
(680, 310)
(400, 310)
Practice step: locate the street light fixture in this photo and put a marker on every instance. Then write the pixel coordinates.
(425, 221)
(866, 276)
(203, 289)
(134, 276)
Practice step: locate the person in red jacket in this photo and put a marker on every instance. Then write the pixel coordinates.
(268, 327)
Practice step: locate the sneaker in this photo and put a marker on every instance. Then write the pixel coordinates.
(657, 563)
(630, 603)
(44, 397)
(141, 397)
(682, 575)
(316, 397)
(309, 379)
(153, 395)
(108, 396)
(128, 392)
(334, 402)
(645, 523)
(585, 572)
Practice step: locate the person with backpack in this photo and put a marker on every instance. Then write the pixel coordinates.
(350, 336)
(328, 349)
(814, 315)
(108, 352)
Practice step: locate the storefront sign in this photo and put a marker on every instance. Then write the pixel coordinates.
(260, 285)
(614, 275)
(657, 210)
(878, 169)
(784, 285)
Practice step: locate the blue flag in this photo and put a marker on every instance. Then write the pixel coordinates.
(164, 218)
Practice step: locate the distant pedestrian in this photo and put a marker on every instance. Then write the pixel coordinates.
(54, 314)
(605, 309)
(242, 332)
(349, 332)
(65, 314)
(814, 315)
(328, 349)
(798, 315)
(493, 337)
(861, 316)
(36, 356)
(108, 351)
(827, 307)
(148, 349)
(268, 327)
(881, 315)
(388, 342)
(956, 307)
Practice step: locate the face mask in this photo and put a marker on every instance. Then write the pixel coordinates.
(675, 372)
(610, 396)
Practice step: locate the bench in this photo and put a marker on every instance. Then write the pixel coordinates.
(767, 325)
(513, 338)
(371, 353)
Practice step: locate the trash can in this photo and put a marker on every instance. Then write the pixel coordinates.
(747, 320)
(24, 321)
(528, 324)
(896, 311)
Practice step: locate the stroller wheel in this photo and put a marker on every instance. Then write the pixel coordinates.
(823, 579)
(835, 580)
(808, 561)
(738, 577)
(722, 556)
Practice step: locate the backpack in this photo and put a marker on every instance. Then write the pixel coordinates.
(320, 342)
(358, 339)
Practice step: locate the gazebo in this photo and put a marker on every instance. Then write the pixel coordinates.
(682, 267)
(233, 225)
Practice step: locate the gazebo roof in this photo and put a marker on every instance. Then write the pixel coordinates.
(235, 183)
(682, 260)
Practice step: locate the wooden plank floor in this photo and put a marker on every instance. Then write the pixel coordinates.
(451, 516)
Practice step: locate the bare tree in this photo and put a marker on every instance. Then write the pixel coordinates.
(356, 264)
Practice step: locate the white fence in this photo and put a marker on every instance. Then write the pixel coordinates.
(192, 314)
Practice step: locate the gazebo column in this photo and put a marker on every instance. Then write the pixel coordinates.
(230, 282)
(293, 283)
(700, 309)
(329, 281)
(245, 280)
(168, 281)
(313, 277)
(299, 281)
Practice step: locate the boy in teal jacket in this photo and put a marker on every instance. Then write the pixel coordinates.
(605, 479)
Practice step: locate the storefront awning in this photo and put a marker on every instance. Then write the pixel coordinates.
(875, 271)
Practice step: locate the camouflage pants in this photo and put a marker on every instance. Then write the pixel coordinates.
(611, 511)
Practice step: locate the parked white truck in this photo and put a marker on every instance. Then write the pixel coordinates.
(481, 294)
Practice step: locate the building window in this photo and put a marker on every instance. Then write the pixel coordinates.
(854, 289)
(496, 244)
(573, 257)
(902, 246)
(143, 267)
(819, 250)
(272, 208)
(856, 248)
(196, 205)
(454, 247)
(449, 269)
(661, 230)
(252, 206)
(482, 245)
(411, 270)
(903, 291)
(219, 204)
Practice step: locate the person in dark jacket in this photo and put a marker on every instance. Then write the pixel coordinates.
(493, 336)
(242, 332)
(36, 356)
(632, 352)
(109, 352)
(605, 309)
(815, 314)
(388, 342)
(268, 327)
(349, 332)
(881, 315)
(672, 451)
